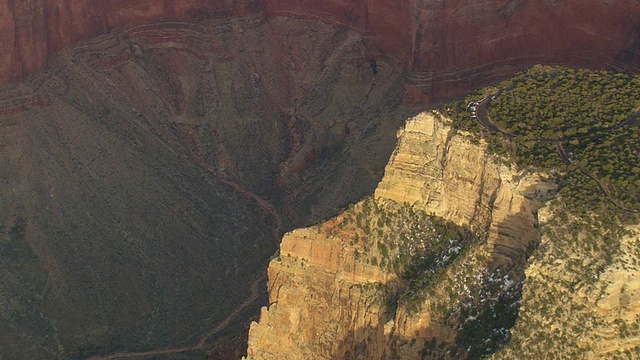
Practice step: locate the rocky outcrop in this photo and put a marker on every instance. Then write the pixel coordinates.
(451, 176)
(580, 298)
(596, 278)
(329, 304)
(445, 45)
(441, 173)
(320, 294)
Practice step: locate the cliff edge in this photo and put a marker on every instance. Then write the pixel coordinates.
(348, 287)
(447, 261)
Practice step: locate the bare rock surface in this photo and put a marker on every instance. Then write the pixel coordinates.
(326, 303)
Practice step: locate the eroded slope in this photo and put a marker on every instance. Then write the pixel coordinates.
(146, 175)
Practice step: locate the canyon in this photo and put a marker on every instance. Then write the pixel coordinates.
(154, 153)
(148, 175)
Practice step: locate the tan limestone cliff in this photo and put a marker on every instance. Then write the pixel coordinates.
(328, 292)
(330, 296)
(319, 293)
(581, 299)
(451, 176)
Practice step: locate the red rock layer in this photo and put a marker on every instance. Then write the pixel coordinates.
(449, 45)
(387, 23)
(481, 39)
(32, 30)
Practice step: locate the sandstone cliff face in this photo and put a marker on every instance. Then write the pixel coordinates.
(313, 302)
(447, 174)
(322, 300)
(444, 44)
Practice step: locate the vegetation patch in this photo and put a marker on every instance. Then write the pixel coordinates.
(440, 270)
(581, 125)
(417, 246)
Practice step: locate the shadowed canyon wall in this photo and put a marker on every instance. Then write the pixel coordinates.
(446, 45)
(146, 177)
(33, 30)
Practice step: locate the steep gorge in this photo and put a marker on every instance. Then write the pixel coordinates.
(141, 174)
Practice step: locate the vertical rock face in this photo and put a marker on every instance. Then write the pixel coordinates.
(328, 303)
(446, 45)
(320, 297)
(473, 40)
(448, 175)
(33, 30)
(441, 173)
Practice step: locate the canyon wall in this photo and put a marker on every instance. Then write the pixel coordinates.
(481, 40)
(331, 292)
(448, 46)
(32, 31)
(335, 291)
(134, 215)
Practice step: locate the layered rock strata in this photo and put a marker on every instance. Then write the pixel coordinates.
(448, 174)
(445, 45)
(327, 303)
(582, 296)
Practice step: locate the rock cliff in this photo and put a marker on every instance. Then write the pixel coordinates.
(33, 30)
(443, 44)
(340, 289)
(337, 291)
(445, 173)
(581, 298)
